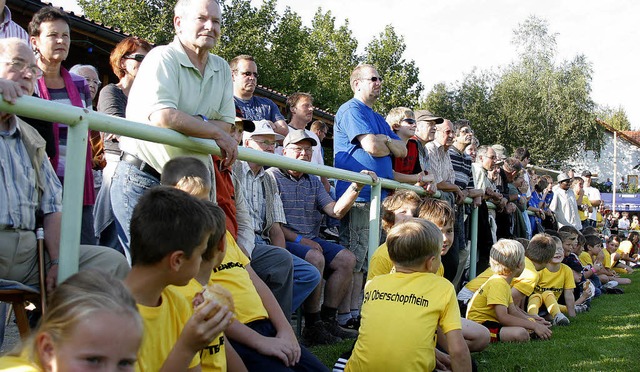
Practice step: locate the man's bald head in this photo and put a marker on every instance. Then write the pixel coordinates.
(14, 51)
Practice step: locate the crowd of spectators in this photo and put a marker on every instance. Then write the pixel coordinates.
(278, 222)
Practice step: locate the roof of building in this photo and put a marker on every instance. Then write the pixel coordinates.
(632, 136)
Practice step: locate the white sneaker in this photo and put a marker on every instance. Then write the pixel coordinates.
(561, 320)
(611, 284)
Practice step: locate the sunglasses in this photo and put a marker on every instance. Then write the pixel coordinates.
(373, 79)
(248, 74)
(138, 57)
(408, 121)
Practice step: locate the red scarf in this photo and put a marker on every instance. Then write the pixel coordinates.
(74, 96)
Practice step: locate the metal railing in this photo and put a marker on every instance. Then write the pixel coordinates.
(80, 120)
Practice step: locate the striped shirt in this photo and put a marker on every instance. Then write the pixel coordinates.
(254, 193)
(440, 163)
(18, 195)
(461, 164)
(9, 28)
(303, 201)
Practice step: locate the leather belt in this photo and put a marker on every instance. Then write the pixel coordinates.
(139, 164)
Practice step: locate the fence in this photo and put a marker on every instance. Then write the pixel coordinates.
(80, 120)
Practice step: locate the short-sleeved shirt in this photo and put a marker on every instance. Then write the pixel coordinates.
(440, 163)
(593, 194)
(259, 108)
(477, 282)
(167, 79)
(381, 264)
(482, 307)
(353, 119)
(585, 259)
(256, 202)
(606, 262)
(555, 282)
(212, 357)
(303, 200)
(400, 314)
(163, 325)
(461, 164)
(410, 164)
(527, 281)
(233, 275)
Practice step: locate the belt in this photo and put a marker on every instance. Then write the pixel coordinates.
(139, 164)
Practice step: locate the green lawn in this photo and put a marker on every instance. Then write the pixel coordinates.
(607, 338)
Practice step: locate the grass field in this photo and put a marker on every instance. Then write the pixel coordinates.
(607, 338)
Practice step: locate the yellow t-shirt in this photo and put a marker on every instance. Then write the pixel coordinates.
(625, 247)
(585, 259)
(212, 358)
(606, 261)
(528, 280)
(495, 291)
(584, 214)
(18, 364)
(477, 282)
(162, 327)
(556, 282)
(233, 275)
(400, 314)
(380, 263)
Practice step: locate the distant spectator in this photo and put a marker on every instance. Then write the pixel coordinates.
(594, 198)
(564, 203)
(8, 28)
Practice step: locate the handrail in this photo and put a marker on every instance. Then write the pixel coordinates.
(79, 120)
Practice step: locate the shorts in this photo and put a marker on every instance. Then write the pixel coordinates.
(354, 233)
(494, 330)
(329, 250)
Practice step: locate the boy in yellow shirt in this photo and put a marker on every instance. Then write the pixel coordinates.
(422, 300)
(169, 234)
(612, 247)
(492, 304)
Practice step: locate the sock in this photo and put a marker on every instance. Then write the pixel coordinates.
(355, 313)
(328, 314)
(535, 300)
(550, 302)
(311, 318)
(342, 318)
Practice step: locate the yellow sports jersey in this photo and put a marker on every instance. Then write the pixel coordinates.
(233, 275)
(585, 259)
(400, 314)
(495, 291)
(380, 263)
(477, 282)
(528, 280)
(162, 327)
(585, 213)
(606, 261)
(440, 271)
(556, 282)
(212, 358)
(17, 364)
(625, 247)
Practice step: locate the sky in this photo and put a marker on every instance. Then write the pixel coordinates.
(449, 38)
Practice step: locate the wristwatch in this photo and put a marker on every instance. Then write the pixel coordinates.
(388, 140)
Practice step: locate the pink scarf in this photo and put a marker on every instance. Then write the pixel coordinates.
(74, 96)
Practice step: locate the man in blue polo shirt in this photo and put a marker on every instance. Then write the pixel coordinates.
(362, 140)
(303, 198)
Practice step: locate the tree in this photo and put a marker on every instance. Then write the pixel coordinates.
(402, 87)
(615, 117)
(149, 19)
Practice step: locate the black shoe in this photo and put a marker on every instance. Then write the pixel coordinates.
(334, 328)
(353, 323)
(317, 334)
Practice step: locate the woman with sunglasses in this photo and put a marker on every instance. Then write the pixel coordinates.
(125, 60)
(49, 36)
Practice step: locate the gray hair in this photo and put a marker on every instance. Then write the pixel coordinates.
(78, 67)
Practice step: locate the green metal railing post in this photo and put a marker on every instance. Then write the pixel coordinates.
(75, 164)
(473, 254)
(374, 218)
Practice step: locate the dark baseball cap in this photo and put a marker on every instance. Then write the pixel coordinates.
(425, 115)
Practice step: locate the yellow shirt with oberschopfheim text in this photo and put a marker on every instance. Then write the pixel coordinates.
(556, 282)
(233, 275)
(482, 307)
(400, 314)
(212, 357)
(380, 263)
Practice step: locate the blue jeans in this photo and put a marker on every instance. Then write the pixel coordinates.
(127, 186)
(305, 279)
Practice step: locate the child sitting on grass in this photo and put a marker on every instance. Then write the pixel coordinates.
(593, 258)
(90, 316)
(418, 299)
(556, 280)
(169, 233)
(613, 243)
(492, 304)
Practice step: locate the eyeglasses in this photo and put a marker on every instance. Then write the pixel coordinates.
(138, 57)
(248, 73)
(22, 66)
(408, 121)
(299, 150)
(266, 143)
(373, 79)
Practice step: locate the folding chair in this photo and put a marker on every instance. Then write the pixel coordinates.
(17, 294)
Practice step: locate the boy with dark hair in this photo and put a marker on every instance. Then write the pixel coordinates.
(169, 233)
(492, 304)
(423, 300)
